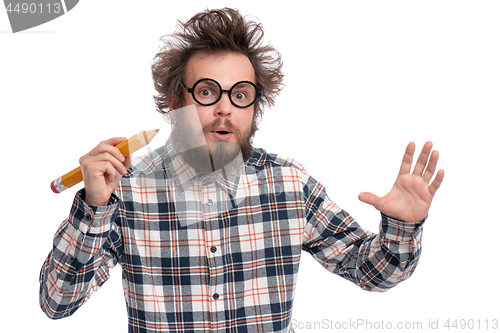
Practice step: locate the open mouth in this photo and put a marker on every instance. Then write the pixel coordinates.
(221, 130)
(222, 134)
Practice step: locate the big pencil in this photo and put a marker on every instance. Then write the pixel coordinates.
(127, 147)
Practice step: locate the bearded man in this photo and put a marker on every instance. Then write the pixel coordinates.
(208, 229)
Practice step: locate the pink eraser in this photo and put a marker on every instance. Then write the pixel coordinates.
(53, 187)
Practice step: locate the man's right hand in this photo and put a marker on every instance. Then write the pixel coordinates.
(102, 169)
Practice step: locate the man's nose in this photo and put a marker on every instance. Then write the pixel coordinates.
(223, 107)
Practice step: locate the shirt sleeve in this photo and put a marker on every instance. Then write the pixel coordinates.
(85, 247)
(375, 262)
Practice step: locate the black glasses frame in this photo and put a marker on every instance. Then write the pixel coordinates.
(191, 91)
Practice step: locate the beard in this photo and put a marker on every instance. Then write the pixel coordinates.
(212, 156)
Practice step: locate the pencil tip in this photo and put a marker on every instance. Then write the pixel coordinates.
(157, 130)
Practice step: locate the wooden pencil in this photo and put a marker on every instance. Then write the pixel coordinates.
(127, 147)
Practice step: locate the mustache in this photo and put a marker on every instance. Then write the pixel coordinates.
(222, 122)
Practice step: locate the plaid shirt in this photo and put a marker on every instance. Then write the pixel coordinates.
(216, 253)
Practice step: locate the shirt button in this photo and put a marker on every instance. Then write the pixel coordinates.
(213, 249)
(216, 296)
(88, 217)
(209, 202)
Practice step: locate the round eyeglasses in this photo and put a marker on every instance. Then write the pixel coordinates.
(208, 92)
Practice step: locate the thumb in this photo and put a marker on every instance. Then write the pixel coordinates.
(115, 141)
(369, 198)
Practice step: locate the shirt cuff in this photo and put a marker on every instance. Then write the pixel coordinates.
(90, 219)
(398, 231)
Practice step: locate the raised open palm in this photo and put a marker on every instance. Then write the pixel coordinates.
(410, 198)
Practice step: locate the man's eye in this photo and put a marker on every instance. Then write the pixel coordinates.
(239, 95)
(205, 92)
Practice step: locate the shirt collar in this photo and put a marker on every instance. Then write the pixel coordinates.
(184, 176)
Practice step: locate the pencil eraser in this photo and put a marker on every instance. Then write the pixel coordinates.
(53, 187)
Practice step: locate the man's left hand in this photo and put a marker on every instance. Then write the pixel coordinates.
(410, 198)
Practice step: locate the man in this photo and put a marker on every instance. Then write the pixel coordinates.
(209, 230)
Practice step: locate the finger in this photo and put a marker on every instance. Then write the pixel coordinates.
(118, 165)
(94, 163)
(109, 146)
(114, 141)
(422, 159)
(370, 198)
(437, 182)
(104, 168)
(407, 159)
(431, 166)
(108, 170)
(111, 173)
(128, 161)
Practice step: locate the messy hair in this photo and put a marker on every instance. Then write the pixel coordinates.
(214, 31)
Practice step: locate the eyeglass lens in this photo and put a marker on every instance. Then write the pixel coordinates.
(208, 92)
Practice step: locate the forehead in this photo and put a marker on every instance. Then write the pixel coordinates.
(226, 68)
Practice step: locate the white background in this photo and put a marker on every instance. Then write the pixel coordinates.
(363, 78)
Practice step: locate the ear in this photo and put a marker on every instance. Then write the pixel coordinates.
(172, 105)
